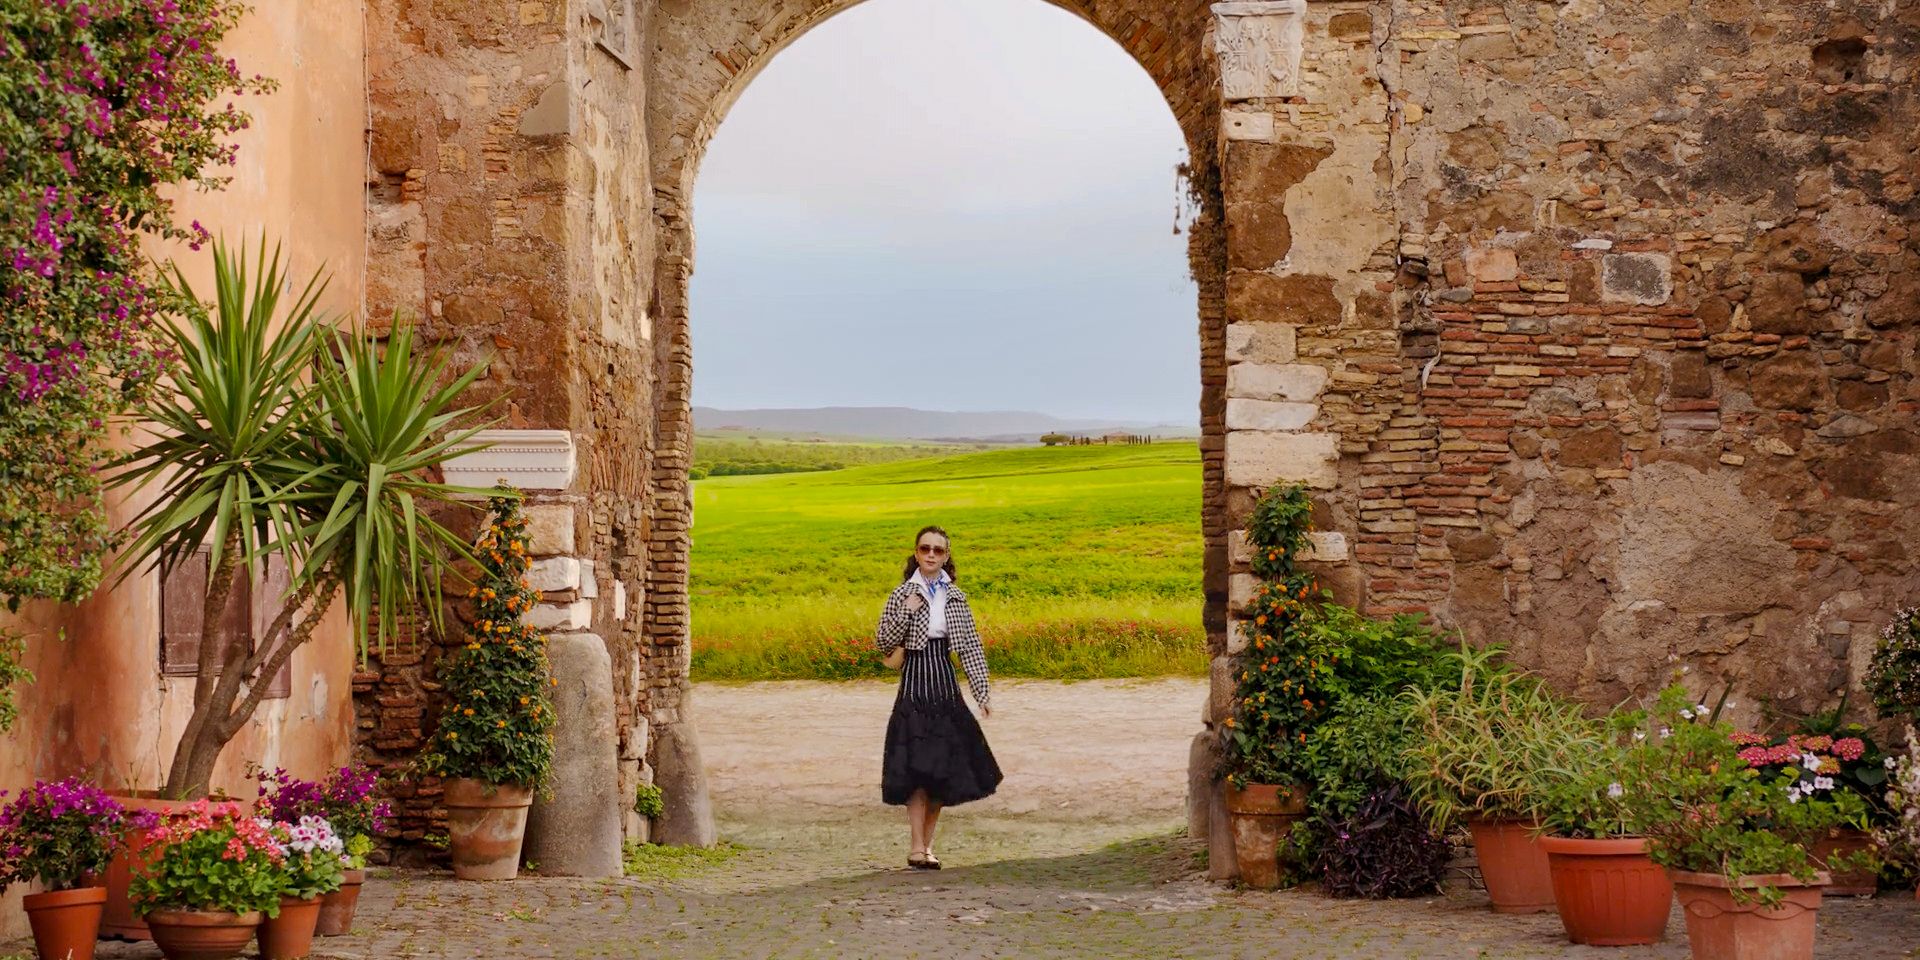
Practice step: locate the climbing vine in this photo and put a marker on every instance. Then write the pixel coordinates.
(103, 103)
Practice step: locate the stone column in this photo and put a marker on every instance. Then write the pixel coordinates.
(1309, 233)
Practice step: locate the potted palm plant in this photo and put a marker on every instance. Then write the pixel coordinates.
(1486, 752)
(1736, 842)
(1606, 887)
(494, 745)
(287, 435)
(216, 873)
(61, 835)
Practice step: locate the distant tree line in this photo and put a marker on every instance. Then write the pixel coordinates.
(1074, 440)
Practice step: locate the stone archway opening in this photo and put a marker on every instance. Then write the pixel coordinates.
(705, 60)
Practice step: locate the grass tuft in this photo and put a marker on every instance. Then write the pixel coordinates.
(651, 861)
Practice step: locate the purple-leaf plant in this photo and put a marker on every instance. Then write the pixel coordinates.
(62, 832)
(345, 800)
(102, 104)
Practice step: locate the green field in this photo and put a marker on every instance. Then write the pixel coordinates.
(1080, 561)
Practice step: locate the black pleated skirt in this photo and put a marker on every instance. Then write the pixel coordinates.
(933, 741)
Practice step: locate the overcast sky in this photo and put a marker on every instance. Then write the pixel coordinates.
(957, 206)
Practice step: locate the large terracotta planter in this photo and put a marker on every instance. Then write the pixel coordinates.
(485, 824)
(1720, 929)
(1846, 883)
(66, 923)
(336, 908)
(119, 922)
(1513, 865)
(1609, 892)
(289, 936)
(1262, 815)
(202, 934)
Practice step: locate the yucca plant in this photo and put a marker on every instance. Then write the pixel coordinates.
(288, 435)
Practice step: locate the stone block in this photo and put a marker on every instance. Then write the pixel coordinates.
(1493, 264)
(1222, 862)
(1258, 179)
(527, 459)
(1237, 637)
(577, 615)
(549, 528)
(1240, 590)
(1202, 759)
(1220, 687)
(554, 574)
(1260, 459)
(1789, 381)
(1778, 304)
(1298, 299)
(589, 585)
(1326, 546)
(1247, 125)
(682, 777)
(1256, 342)
(1239, 551)
(1292, 382)
(1642, 278)
(1269, 415)
(633, 744)
(619, 601)
(577, 831)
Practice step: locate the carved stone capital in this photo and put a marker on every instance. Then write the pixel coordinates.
(1259, 43)
(528, 459)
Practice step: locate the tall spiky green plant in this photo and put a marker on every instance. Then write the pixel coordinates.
(290, 436)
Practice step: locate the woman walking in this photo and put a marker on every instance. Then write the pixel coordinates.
(936, 755)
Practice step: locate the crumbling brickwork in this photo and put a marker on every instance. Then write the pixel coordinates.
(1591, 325)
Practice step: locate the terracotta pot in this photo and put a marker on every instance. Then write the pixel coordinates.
(1513, 865)
(289, 936)
(1609, 892)
(202, 934)
(1846, 842)
(336, 908)
(1720, 929)
(1262, 815)
(119, 922)
(65, 922)
(485, 824)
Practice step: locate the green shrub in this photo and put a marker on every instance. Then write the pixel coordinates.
(1893, 676)
(498, 724)
(649, 801)
(1493, 744)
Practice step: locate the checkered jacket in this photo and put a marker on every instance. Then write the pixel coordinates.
(902, 627)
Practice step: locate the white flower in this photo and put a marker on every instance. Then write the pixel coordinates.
(1811, 761)
(1686, 713)
(1890, 763)
(1665, 733)
(1793, 794)
(1731, 704)
(1700, 710)
(1616, 791)
(1823, 783)
(1639, 734)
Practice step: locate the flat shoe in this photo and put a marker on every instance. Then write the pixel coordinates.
(931, 863)
(920, 861)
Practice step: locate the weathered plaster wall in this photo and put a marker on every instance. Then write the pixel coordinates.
(100, 706)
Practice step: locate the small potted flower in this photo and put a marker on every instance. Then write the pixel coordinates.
(346, 801)
(1734, 838)
(1486, 751)
(1899, 841)
(1844, 758)
(1608, 891)
(62, 835)
(315, 860)
(218, 874)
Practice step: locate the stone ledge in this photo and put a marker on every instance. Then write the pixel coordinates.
(1259, 459)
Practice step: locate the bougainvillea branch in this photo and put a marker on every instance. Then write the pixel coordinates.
(102, 104)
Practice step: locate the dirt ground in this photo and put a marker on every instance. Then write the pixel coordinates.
(1094, 750)
(1082, 854)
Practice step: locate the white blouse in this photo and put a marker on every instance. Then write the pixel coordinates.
(936, 595)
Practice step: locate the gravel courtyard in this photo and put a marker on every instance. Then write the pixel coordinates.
(1082, 854)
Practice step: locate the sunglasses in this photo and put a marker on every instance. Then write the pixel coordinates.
(933, 551)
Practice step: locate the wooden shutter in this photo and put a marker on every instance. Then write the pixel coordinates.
(272, 593)
(183, 598)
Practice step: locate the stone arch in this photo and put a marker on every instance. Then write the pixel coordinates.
(705, 53)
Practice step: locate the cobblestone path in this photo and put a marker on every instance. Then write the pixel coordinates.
(1066, 875)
